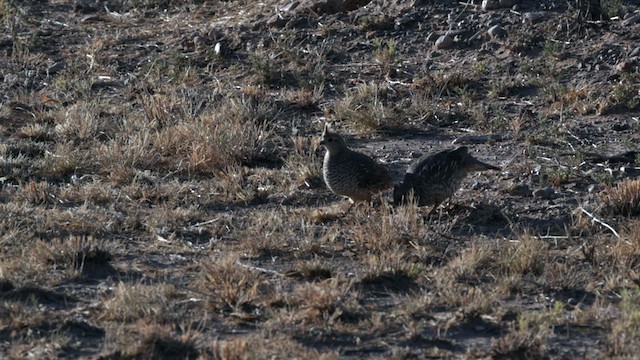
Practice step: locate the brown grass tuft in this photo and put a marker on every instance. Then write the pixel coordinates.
(232, 286)
(526, 256)
(623, 199)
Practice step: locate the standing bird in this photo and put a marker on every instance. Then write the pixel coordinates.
(435, 178)
(350, 173)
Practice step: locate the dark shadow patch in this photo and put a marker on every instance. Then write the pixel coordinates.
(39, 295)
(352, 344)
(6, 286)
(421, 342)
(397, 282)
(312, 274)
(573, 296)
(473, 326)
(82, 330)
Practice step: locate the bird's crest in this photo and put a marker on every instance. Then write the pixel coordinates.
(327, 129)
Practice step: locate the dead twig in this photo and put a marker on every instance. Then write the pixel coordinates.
(259, 269)
(595, 219)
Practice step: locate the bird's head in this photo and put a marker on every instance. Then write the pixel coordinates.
(331, 141)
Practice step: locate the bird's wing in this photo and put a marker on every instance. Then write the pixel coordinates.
(370, 172)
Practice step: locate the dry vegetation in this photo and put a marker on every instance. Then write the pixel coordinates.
(161, 193)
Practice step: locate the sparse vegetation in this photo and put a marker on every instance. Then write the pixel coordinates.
(161, 192)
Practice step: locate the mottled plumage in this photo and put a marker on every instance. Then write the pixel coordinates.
(434, 178)
(350, 173)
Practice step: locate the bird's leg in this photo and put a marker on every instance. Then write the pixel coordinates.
(435, 207)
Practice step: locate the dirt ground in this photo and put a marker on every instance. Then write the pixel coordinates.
(161, 193)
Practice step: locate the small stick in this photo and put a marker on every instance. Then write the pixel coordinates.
(203, 223)
(601, 222)
(263, 270)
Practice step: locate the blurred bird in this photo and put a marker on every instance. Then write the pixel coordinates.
(434, 178)
(350, 173)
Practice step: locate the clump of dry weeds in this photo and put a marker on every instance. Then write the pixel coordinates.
(624, 198)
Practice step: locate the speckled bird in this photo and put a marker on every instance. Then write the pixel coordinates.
(350, 173)
(434, 178)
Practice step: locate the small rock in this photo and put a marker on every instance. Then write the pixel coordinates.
(276, 21)
(620, 127)
(200, 43)
(631, 20)
(635, 52)
(290, 6)
(595, 188)
(532, 17)
(623, 66)
(91, 18)
(493, 21)
(432, 37)
(520, 190)
(444, 42)
(403, 21)
(85, 6)
(333, 6)
(497, 32)
(489, 5)
(55, 68)
(545, 194)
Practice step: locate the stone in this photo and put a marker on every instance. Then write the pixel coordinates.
(489, 5)
(532, 17)
(276, 21)
(290, 6)
(497, 32)
(545, 194)
(623, 66)
(522, 190)
(444, 42)
(632, 20)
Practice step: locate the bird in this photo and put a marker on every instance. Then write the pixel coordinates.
(349, 173)
(434, 178)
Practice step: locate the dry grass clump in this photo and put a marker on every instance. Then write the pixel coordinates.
(311, 271)
(265, 345)
(304, 161)
(75, 253)
(81, 123)
(623, 255)
(364, 108)
(528, 255)
(624, 339)
(233, 288)
(271, 234)
(527, 336)
(472, 264)
(322, 302)
(381, 229)
(623, 199)
(305, 98)
(238, 131)
(150, 340)
(391, 272)
(128, 302)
